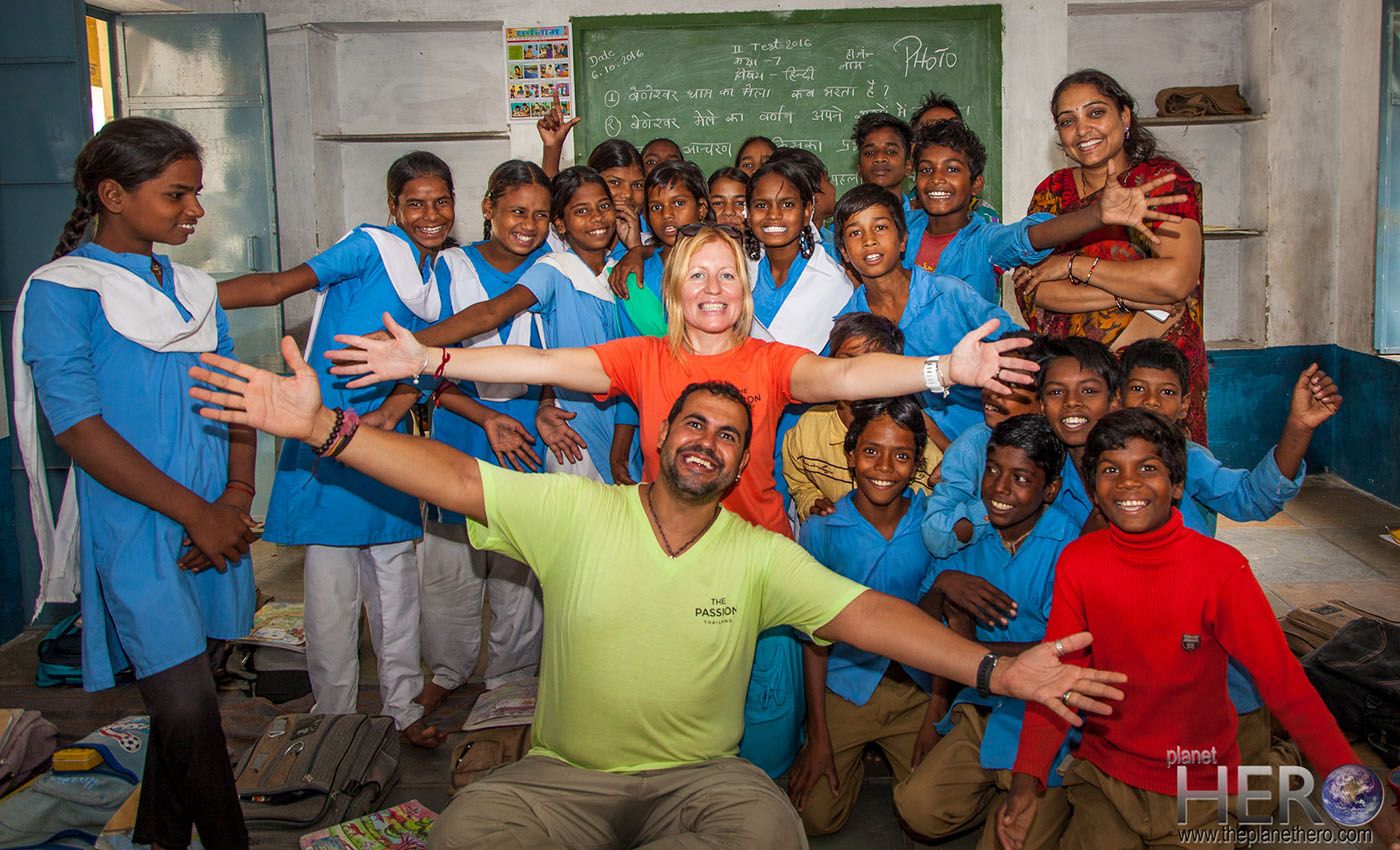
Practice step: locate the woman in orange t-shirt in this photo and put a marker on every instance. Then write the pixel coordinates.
(709, 305)
(709, 308)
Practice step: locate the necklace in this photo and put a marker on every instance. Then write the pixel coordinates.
(155, 269)
(1012, 545)
(665, 541)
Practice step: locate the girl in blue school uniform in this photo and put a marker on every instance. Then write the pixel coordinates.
(359, 534)
(854, 697)
(676, 196)
(569, 291)
(494, 423)
(106, 334)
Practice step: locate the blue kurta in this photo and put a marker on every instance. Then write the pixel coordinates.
(940, 312)
(848, 544)
(958, 493)
(1028, 577)
(574, 319)
(768, 297)
(457, 431)
(139, 608)
(320, 501)
(977, 247)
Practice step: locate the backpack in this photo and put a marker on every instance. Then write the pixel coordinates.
(27, 742)
(314, 770)
(275, 673)
(1357, 674)
(61, 655)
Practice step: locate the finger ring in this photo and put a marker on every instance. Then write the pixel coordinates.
(1064, 697)
(1059, 648)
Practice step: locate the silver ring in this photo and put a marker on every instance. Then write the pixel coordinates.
(1064, 697)
(1059, 648)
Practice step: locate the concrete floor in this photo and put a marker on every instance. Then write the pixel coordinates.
(1324, 545)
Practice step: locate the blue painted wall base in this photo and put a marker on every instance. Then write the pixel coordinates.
(1249, 393)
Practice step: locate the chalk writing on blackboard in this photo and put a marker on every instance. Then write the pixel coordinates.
(918, 56)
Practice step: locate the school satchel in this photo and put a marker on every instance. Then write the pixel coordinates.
(27, 742)
(1357, 673)
(314, 770)
(484, 750)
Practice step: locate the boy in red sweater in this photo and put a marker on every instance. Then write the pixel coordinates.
(1167, 606)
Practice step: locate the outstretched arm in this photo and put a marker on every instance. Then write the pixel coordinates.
(403, 356)
(1129, 206)
(479, 318)
(972, 362)
(291, 407)
(895, 629)
(265, 289)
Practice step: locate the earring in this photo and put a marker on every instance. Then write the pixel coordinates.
(806, 242)
(486, 229)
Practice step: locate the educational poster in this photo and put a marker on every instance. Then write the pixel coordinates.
(538, 71)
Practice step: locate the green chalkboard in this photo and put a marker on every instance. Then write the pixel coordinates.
(709, 81)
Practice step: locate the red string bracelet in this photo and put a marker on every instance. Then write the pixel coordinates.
(436, 397)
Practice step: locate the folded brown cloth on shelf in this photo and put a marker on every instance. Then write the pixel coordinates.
(1195, 101)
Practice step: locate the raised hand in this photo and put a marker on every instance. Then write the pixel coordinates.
(552, 127)
(977, 596)
(1315, 398)
(1037, 675)
(379, 360)
(511, 443)
(1132, 206)
(283, 407)
(975, 363)
(553, 424)
(631, 263)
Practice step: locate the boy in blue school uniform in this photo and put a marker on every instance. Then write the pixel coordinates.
(939, 106)
(948, 163)
(1155, 376)
(1012, 561)
(854, 697)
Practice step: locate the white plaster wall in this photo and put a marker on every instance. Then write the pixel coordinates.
(1307, 173)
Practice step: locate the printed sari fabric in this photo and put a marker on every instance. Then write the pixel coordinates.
(1057, 194)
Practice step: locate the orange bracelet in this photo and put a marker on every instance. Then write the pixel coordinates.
(241, 486)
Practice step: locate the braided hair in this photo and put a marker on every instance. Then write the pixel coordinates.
(129, 151)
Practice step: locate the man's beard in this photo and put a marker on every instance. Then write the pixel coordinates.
(687, 488)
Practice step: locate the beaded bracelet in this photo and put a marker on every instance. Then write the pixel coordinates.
(346, 433)
(320, 451)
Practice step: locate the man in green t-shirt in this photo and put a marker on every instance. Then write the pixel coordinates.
(654, 596)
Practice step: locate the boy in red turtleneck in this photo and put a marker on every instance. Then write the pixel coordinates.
(1166, 606)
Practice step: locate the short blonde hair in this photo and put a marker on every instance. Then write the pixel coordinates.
(678, 261)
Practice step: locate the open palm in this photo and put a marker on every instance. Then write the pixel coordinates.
(375, 359)
(976, 363)
(281, 406)
(1133, 206)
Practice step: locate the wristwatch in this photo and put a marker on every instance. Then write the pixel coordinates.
(933, 377)
(984, 675)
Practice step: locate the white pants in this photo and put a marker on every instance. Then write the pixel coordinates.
(384, 579)
(455, 578)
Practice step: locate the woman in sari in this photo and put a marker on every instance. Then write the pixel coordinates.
(1114, 285)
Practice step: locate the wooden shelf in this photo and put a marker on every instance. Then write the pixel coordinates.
(1230, 233)
(1191, 121)
(465, 136)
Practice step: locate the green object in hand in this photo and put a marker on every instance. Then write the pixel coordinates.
(644, 308)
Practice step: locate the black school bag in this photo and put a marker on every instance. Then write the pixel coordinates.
(313, 770)
(1357, 673)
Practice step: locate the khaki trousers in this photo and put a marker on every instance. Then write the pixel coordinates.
(541, 803)
(890, 718)
(1112, 815)
(950, 792)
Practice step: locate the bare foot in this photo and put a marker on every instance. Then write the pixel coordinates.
(431, 696)
(419, 734)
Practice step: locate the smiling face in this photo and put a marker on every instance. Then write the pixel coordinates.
(702, 449)
(776, 212)
(728, 201)
(871, 242)
(589, 221)
(658, 151)
(884, 160)
(163, 209)
(997, 408)
(1014, 490)
(943, 181)
(669, 208)
(884, 462)
(1158, 390)
(627, 185)
(1075, 399)
(1091, 128)
(752, 155)
(1133, 487)
(424, 209)
(519, 218)
(712, 293)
